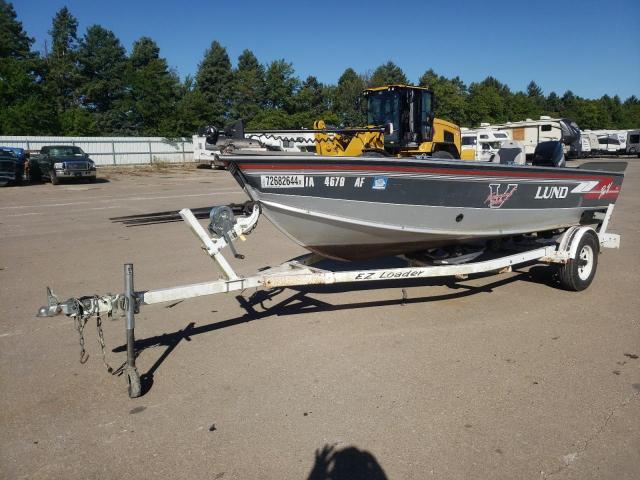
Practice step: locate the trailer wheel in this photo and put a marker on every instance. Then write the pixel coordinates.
(134, 386)
(578, 273)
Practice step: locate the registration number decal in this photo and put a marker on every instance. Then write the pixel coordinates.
(282, 181)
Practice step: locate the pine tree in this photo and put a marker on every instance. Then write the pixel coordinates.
(151, 91)
(248, 87)
(14, 42)
(388, 74)
(312, 103)
(214, 82)
(347, 101)
(191, 110)
(63, 77)
(24, 107)
(533, 90)
(310, 96)
(280, 86)
(102, 62)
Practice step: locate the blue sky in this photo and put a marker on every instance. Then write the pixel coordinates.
(589, 47)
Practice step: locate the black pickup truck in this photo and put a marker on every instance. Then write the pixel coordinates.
(58, 162)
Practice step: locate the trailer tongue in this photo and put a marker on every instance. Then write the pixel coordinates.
(576, 250)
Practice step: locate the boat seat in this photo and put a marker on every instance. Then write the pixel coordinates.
(549, 154)
(510, 152)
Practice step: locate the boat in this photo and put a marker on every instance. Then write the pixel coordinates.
(352, 208)
(358, 208)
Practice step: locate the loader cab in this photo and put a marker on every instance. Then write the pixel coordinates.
(407, 109)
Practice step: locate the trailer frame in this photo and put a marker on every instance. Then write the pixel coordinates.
(301, 271)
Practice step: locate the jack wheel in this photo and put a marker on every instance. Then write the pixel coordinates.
(133, 382)
(578, 273)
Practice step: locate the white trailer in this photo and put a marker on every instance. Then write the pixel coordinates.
(592, 139)
(575, 250)
(481, 144)
(531, 132)
(612, 142)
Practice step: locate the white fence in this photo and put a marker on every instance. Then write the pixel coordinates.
(114, 150)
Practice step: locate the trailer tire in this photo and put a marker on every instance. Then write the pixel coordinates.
(578, 273)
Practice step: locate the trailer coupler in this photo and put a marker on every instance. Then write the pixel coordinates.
(81, 307)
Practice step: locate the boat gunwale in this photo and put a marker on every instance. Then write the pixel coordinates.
(409, 162)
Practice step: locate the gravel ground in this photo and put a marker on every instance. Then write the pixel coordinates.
(492, 377)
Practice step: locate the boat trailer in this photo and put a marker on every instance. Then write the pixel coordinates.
(576, 250)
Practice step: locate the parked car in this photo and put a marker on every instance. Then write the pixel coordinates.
(8, 167)
(18, 169)
(58, 162)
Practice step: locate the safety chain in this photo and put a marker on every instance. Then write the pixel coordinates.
(101, 342)
(80, 320)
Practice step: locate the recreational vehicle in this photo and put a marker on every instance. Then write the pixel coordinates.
(612, 142)
(581, 148)
(531, 132)
(633, 142)
(481, 143)
(592, 138)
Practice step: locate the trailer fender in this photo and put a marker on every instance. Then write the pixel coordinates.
(571, 239)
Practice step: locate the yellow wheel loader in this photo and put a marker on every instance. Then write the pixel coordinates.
(406, 113)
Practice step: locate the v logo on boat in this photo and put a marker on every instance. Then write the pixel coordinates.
(496, 197)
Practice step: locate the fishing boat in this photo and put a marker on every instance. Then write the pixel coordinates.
(355, 208)
(352, 208)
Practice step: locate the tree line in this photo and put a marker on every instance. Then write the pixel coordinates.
(90, 85)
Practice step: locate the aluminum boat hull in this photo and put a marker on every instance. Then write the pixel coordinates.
(365, 207)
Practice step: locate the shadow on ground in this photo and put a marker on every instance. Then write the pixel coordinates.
(347, 463)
